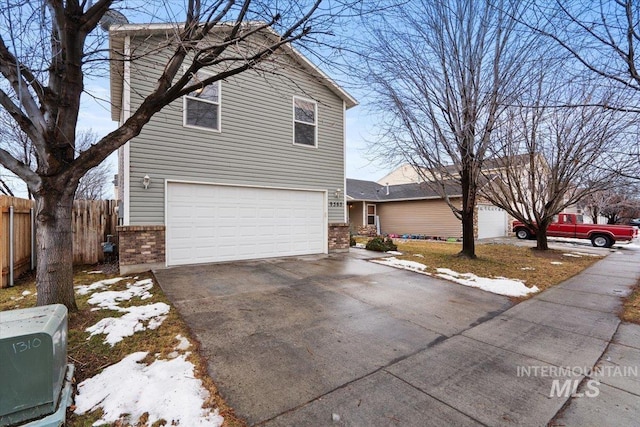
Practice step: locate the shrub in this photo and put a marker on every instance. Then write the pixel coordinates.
(381, 244)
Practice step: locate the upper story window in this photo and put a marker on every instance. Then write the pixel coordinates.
(305, 122)
(202, 106)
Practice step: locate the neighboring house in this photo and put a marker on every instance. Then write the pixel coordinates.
(250, 167)
(402, 203)
(413, 208)
(405, 173)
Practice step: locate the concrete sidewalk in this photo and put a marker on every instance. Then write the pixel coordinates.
(506, 371)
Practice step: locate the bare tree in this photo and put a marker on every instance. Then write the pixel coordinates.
(595, 203)
(94, 185)
(443, 72)
(615, 205)
(18, 144)
(46, 49)
(549, 157)
(603, 37)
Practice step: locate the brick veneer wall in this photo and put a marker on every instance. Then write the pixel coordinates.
(142, 247)
(338, 237)
(368, 230)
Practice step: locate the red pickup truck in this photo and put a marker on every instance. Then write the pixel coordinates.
(570, 225)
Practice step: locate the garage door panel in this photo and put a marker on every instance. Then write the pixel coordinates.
(492, 221)
(212, 223)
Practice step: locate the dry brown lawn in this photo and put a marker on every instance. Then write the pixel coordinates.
(533, 267)
(631, 306)
(91, 356)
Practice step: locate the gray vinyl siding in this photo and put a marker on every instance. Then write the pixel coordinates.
(254, 147)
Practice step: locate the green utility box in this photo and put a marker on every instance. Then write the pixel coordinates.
(33, 355)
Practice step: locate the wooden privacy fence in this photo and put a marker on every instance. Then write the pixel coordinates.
(15, 226)
(92, 222)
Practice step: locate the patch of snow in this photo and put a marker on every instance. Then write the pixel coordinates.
(183, 343)
(117, 328)
(497, 285)
(166, 389)
(25, 293)
(360, 246)
(556, 263)
(573, 255)
(110, 299)
(418, 255)
(394, 253)
(527, 268)
(101, 284)
(403, 264)
(631, 246)
(572, 240)
(587, 254)
(94, 272)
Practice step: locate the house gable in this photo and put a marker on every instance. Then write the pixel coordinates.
(119, 52)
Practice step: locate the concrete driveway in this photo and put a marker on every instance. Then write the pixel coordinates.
(280, 334)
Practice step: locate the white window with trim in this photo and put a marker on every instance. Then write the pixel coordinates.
(305, 122)
(201, 108)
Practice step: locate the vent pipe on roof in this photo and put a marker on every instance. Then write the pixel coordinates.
(387, 188)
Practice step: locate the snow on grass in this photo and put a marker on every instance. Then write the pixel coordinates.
(26, 293)
(394, 253)
(556, 263)
(418, 255)
(110, 299)
(572, 255)
(401, 263)
(101, 284)
(497, 285)
(587, 254)
(183, 343)
(94, 272)
(527, 268)
(165, 390)
(136, 319)
(360, 246)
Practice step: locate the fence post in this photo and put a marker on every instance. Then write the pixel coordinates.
(11, 245)
(33, 239)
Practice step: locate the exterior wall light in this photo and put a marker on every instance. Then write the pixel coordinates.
(146, 181)
(338, 193)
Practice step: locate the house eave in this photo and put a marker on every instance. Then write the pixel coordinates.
(409, 199)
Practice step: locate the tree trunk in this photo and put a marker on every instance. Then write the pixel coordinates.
(541, 239)
(54, 250)
(468, 237)
(468, 207)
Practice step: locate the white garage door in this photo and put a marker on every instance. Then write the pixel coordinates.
(492, 222)
(212, 223)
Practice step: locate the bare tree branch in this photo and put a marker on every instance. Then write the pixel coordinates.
(444, 72)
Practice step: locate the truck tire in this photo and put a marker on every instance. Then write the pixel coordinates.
(523, 233)
(601, 241)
